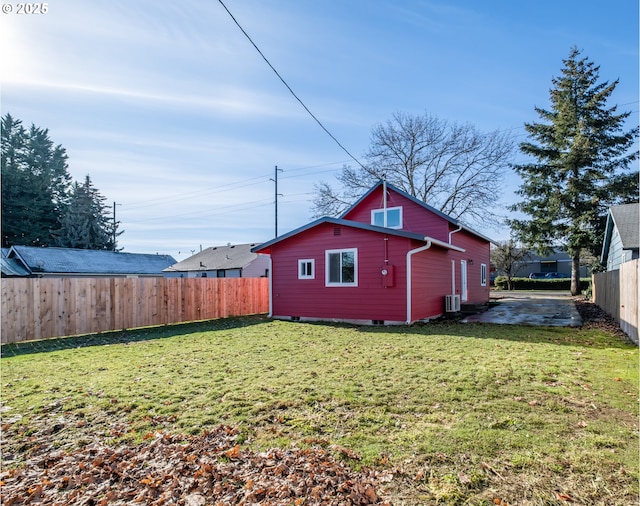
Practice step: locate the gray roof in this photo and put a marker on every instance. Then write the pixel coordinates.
(353, 224)
(235, 256)
(12, 268)
(85, 261)
(627, 220)
(421, 203)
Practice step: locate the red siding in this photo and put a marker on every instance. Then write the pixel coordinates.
(477, 252)
(415, 218)
(431, 271)
(312, 299)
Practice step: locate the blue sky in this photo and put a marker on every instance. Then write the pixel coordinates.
(176, 117)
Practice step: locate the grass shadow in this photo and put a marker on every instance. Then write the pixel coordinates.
(585, 336)
(127, 335)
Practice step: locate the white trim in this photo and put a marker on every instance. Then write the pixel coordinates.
(270, 287)
(385, 214)
(327, 267)
(464, 281)
(483, 274)
(453, 277)
(303, 261)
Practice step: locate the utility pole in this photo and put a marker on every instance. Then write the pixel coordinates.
(277, 194)
(115, 225)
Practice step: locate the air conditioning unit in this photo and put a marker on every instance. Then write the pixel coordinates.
(452, 303)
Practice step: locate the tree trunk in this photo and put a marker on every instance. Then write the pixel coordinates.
(575, 274)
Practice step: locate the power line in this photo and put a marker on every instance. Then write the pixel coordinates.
(289, 87)
(242, 183)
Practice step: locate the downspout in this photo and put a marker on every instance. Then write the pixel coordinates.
(454, 231)
(270, 315)
(410, 253)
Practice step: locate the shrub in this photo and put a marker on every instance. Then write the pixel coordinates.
(540, 284)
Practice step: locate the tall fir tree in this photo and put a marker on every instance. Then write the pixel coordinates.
(582, 164)
(35, 183)
(88, 222)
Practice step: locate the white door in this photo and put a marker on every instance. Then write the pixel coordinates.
(463, 280)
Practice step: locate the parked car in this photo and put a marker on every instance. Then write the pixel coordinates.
(537, 275)
(556, 275)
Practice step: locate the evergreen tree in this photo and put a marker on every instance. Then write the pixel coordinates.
(582, 158)
(35, 182)
(87, 223)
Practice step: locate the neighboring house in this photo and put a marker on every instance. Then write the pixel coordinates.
(11, 268)
(621, 239)
(69, 262)
(231, 261)
(557, 261)
(388, 259)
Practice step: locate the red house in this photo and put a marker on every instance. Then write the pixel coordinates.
(389, 259)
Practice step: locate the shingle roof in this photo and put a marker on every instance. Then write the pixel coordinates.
(234, 256)
(358, 225)
(12, 268)
(421, 203)
(627, 220)
(84, 261)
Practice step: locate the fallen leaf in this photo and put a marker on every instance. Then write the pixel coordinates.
(563, 497)
(233, 453)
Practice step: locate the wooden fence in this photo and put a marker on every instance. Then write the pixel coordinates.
(617, 293)
(37, 308)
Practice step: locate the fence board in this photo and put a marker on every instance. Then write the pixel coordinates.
(617, 293)
(37, 308)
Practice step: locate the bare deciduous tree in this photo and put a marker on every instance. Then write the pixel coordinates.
(507, 257)
(454, 168)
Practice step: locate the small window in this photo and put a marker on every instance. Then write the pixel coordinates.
(392, 218)
(342, 267)
(306, 269)
(483, 274)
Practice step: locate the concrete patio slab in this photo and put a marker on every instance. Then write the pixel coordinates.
(555, 309)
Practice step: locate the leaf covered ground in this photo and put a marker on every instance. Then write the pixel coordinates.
(206, 469)
(251, 411)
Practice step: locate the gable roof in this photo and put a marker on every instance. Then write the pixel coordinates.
(424, 205)
(358, 225)
(10, 267)
(86, 261)
(626, 218)
(234, 256)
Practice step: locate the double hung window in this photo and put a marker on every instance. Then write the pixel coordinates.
(342, 267)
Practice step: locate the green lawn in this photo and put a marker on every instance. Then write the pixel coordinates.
(456, 414)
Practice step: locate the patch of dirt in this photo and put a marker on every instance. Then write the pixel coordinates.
(209, 469)
(594, 317)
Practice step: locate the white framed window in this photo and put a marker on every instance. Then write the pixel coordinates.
(306, 268)
(342, 267)
(483, 274)
(391, 219)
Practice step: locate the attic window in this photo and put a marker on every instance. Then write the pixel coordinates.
(337, 231)
(392, 218)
